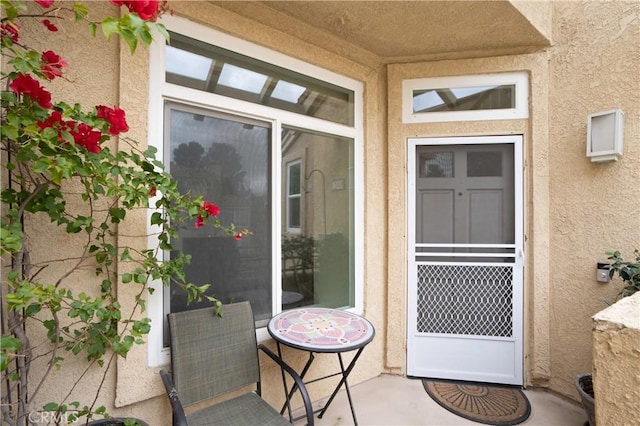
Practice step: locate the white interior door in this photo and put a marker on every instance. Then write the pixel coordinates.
(465, 259)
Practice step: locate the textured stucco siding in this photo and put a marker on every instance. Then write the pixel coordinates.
(616, 357)
(594, 66)
(574, 210)
(136, 382)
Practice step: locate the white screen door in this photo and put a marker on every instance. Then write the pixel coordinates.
(465, 258)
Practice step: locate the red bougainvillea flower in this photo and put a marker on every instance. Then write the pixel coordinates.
(47, 23)
(83, 134)
(199, 221)
(116, 118)
(10, 30)
(149, 10)
(27, 85)
(86, 136)
(238, 236)
(56, 122)
(45, 3)
(211, 209)
(52, 64)
(152, 191)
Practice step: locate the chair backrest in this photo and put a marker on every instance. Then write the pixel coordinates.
(212, 355)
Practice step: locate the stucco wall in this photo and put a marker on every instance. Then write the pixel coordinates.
(575, 210)
(594, 66)
(106, 73)
(616, 357)
(135, 381)
(535, 132)
(91, 79)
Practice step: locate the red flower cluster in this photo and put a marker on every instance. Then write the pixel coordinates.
(210, 209)
(115, 117)
(45, 3)
(47, 23)
(86, 136)
(149, 10)
(10, 30)
(52, 64)
(82, 133)
(29, 86)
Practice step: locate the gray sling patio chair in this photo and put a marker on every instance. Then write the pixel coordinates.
(214, 355)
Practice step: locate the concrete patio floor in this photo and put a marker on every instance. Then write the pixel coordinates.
(394, 400)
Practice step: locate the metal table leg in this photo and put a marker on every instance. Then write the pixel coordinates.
(345, 374)
(289, 395)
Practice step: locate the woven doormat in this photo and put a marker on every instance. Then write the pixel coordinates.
(482, 403)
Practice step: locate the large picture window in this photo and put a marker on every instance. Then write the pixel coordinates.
(277, 144)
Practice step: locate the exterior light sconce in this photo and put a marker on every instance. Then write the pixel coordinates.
(605, 132)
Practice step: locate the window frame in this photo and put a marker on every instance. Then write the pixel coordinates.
(290, 196)
(520, 80)
(160, 91)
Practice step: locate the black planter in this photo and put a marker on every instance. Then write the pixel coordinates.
(584, 386)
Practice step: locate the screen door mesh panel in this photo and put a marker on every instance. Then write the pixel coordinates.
(465, 299)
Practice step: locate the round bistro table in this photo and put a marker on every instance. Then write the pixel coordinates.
(322, 330)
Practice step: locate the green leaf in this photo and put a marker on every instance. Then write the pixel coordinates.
(130, 38)
(32, 309)
(161, 29)
(117, 214)
(156, 218)
(80, 12)
(125, 255)
(146, 38)
(110, 26)
(10, 343)
(51, 406)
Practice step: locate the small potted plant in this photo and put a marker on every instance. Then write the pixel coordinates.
(629, 272)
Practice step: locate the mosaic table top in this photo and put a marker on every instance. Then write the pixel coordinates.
(321, 329)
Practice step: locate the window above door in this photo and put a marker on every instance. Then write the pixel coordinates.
(465, 98)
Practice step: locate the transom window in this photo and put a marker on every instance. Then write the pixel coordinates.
(465, 98)
(277, 144)
(203, 66)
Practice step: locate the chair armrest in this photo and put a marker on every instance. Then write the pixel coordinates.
(179, 418)
(298, 382)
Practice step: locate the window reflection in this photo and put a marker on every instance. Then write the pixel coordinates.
(436, 164)
(226, 160)
(317, 261)
(464, 98)
(242, 79)
(198, 65)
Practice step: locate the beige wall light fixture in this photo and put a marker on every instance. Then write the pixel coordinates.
(605, 131)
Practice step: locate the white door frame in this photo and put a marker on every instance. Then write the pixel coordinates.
(422, 359)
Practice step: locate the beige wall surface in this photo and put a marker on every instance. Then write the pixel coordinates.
(535, 133)
(616, 349)
(575, 210)
(136, 383)
(91, 78)
(594, 66)
(106, 73)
